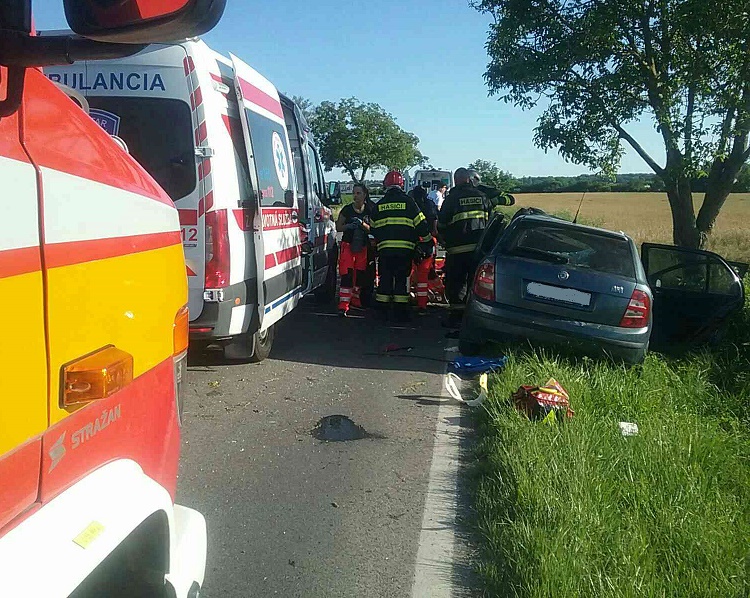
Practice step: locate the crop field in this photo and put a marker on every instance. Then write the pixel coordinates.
(646, 217)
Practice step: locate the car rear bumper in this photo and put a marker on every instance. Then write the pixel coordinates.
(484, 322)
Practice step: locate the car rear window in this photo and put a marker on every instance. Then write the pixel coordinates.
(573, 247)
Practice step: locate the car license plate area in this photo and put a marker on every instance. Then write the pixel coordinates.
(567, 296)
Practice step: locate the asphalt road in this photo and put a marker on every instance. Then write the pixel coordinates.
(292, 515)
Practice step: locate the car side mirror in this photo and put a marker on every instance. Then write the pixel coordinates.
(142, 21)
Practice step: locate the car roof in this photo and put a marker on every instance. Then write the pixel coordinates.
(547, 218)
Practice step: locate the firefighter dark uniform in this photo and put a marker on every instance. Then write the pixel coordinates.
(462, 220)
(398, 227)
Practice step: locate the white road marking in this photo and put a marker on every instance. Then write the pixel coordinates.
(433, 574)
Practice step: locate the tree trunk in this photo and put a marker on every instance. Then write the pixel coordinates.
(720, 181)
(684, 230)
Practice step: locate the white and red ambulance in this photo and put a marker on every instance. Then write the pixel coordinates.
(239, 161)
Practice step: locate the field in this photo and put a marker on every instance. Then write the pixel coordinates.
(576, 509)
(646, 217)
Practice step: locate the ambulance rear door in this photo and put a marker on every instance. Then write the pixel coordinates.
(276, 222)
(146, 101)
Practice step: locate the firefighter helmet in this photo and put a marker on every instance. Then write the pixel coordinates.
(474, 177)
(393, 178)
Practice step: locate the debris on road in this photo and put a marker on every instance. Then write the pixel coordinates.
(451, 382)
(628, 429)
(471, 366)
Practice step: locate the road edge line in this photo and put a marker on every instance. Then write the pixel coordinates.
(433, 569)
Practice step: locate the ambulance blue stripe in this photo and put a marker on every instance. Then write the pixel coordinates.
(284, 299)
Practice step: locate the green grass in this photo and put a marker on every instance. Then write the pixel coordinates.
(578, 510)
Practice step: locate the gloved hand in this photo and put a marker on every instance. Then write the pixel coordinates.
(423, 250)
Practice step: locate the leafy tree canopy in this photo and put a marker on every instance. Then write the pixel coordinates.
(305, 105)
(598, 65)
(493, 176)
(359, 137)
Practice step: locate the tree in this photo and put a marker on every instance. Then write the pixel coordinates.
(493, 176)
(603, 64)
(305, 105)
(359, 137)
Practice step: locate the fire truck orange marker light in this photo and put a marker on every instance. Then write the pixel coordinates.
(89, 535)
(181, 330)
(96, 376)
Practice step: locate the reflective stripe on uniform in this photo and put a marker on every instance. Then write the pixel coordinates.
(478, 214)
(418, 218)
(401, 298)
(461, 248)
(382, 298)
(395, 244)
(393, 220)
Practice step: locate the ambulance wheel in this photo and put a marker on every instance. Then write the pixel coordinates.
(251, 347)
(262, 343)
(327, 292)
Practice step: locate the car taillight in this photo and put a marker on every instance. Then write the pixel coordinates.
(636, 314)
(217, 250)
(484, 281)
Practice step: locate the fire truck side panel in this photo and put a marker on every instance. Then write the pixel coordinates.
(113, 262)
(24, 387)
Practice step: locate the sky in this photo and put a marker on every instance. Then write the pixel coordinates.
(423, 61)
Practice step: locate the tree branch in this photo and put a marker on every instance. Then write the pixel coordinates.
(726, 129)
(689, 123)
(639, 149)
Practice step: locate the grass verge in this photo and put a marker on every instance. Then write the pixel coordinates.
(579, 510)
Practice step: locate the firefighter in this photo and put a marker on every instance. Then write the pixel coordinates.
(461, 221)
(354, 222)
(496, 196)
(424, 256)
(399, 227)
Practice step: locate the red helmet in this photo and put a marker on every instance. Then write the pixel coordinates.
(393, 178)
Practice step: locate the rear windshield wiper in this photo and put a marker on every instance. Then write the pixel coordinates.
(540, 254)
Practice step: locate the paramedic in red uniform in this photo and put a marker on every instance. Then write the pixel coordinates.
(354, 222)
(424, 256)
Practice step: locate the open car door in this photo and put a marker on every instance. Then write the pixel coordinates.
(694, 291)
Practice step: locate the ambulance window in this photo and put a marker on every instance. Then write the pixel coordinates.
(166, 152)
(272, 162)
(317, 176)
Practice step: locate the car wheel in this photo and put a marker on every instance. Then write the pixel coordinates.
(468, 348)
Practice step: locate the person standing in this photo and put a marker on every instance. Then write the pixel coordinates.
(461, 221)
(437, 196)
(354, 223)
(424, 256)
(398, 226)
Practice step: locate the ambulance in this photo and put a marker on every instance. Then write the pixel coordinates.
(92, 277)
(238, 159)
(431, 179)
